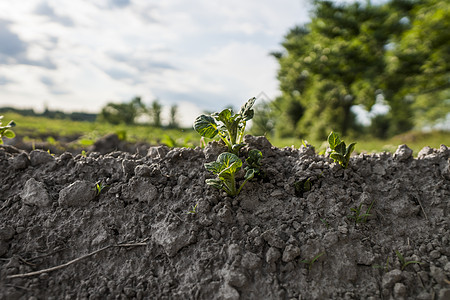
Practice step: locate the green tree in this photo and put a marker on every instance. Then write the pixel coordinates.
(349, 53)
(418, 73)
(155, 113)
(126, 112)
(173, 122)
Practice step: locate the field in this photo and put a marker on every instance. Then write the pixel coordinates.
(83, 134)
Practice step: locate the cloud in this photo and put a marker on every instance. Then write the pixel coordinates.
(10, 43)
(5, 80)
(52, 86)
(15, 51)
(119, 3)
(45, 9)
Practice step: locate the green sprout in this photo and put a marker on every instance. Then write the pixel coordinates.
(5, 131)
(386, 267)
(302, 186)
(99, 186)
(228, 126)
(405, 263)
(311, 262)
(225, 167)
(359, 217)
(83, 153)
(254, 162)
(340, 153)
(193, 210)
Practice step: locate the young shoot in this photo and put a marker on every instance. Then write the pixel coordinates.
(358, 216)
(99, 186)
(228, 126)
(225, 167)
(5, 131)
(254, 161)
(340, 152)
(193, 210)
(311, 261)
(403, 261)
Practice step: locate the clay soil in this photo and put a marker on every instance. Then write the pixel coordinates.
(289, 235)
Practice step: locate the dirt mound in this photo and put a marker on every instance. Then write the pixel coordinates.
(292, 235)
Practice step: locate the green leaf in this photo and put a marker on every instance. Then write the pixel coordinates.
(214, 167)
(217, 183)
(235, 148)
(249, 174)
(340, 148)
(333, 140)
(9, 134)
(349, 150)
(254, 157)
(246, 111)
(206, 126)
(229, 161)
(337, 157)
(225, 116)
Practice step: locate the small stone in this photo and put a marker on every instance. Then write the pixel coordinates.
(399, 290)
(403, 153)
(250, 261)
(21, 161)
(235, 278)
(273, 239)
(290, 253)
(272, 255)
(425, 151)
(391, 278)
(39, 157)
(35, 193)
(77, 194)
(435, 254)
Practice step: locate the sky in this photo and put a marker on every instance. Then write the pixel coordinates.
(201, 55)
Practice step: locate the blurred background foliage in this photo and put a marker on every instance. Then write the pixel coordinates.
(354, 55)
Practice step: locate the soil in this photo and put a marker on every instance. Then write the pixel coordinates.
(290, 235)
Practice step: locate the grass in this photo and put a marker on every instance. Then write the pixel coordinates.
(415, 140)
(85, 133)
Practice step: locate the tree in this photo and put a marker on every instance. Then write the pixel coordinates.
(418, 77)
(349, 53)
(126, 112)
(155, 113)
(173, 122)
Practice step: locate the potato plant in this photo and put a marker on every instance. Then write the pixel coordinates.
(340, 152)
(228, 126)
(225, 167)
(5, 131)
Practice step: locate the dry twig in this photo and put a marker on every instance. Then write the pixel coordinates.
(72, 261)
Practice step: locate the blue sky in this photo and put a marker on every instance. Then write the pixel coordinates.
(198, 54)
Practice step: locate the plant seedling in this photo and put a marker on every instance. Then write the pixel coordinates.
(405, 263)
(99, 186)
(254, 162)
(83, 153)
(311, 262)
(340, 153)
(5, 131)
(193, 210)
(357, 216)
(386, 267)
(302, 186)
(225, 167)
(228, 126)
